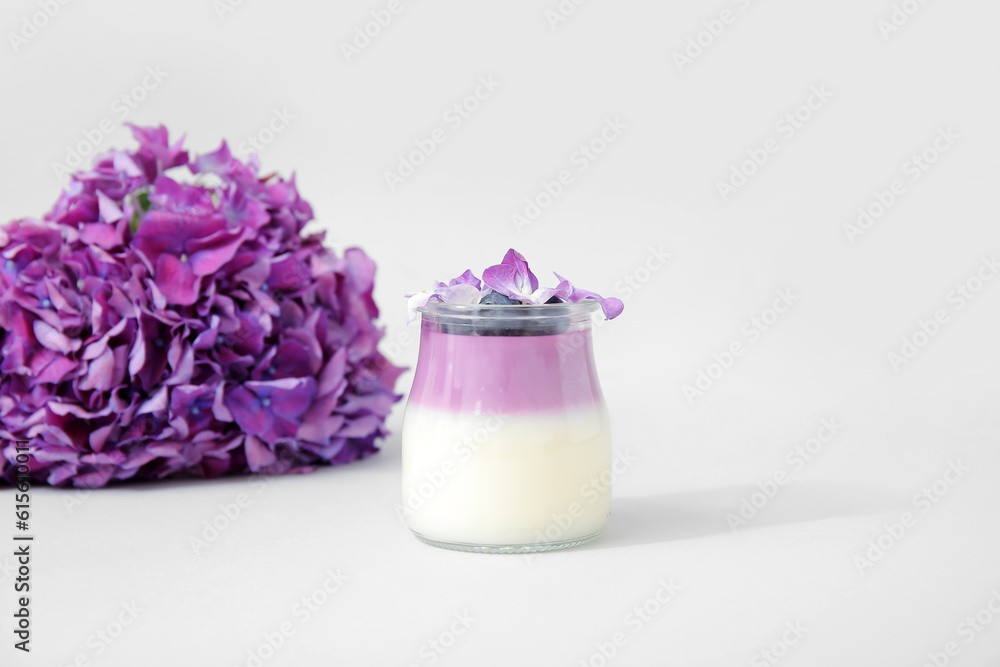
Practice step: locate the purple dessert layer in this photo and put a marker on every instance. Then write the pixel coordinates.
(473, 374)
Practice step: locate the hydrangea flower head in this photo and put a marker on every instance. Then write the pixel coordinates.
(152, 328)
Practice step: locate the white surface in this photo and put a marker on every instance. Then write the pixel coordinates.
(654, 187)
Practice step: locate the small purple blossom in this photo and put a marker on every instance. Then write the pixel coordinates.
(271, 410)
(152, 328)
(513, 279)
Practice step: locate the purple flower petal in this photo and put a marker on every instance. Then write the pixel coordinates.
(56, 370)
(320, 430)
(177, 280)
(333, 372)
(247, 411)
(419, 300)
(219, 161)
(258, 455)
(462, 293)
(194, 344)
(101, 372)
(524, 280)
(110, 213)
(289, 397)
(467, 278)
(611, 306)
(503, 279)
(219, 408)
(210, 254)
(54, 339)
(360, 427)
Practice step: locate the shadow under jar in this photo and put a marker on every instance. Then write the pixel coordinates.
(506, 440)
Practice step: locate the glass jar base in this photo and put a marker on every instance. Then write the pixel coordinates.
(507, 548)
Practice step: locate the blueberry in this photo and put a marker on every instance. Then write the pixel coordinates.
(496, 299)
(554, 299)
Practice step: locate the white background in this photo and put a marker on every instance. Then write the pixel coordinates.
(654, 187)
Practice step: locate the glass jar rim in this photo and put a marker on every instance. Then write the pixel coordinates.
(519, 312)
(499, 320)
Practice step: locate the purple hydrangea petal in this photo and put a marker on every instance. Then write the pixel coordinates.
(467, 278)
(289, 397)
(321, 430)
(524, 280)
(108, 209)
(209, 254)
(462, 293)
(611, 306)
(503, 279)
(101, 372)
(259, 457)
(177, 280)
(50, 337)
(219, 161)
(246, 409)
(419, 300)
(360, 427)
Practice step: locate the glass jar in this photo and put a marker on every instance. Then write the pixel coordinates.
(506, 440)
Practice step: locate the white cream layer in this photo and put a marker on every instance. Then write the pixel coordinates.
(499, 479)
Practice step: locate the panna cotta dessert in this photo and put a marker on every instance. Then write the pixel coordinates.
(506, 439)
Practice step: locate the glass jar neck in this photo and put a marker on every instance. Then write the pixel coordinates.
(514, 320)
